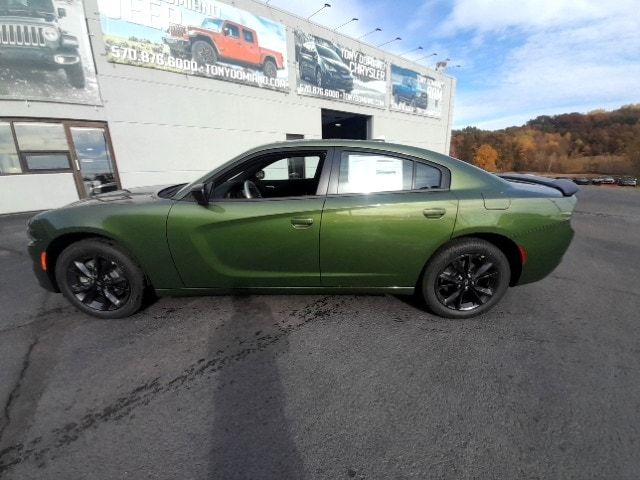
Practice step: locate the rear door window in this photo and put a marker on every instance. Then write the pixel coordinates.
(370, 172)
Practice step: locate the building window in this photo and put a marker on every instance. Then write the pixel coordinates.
(80, 148)
(9, 159)
(40, 136)
(47, 161)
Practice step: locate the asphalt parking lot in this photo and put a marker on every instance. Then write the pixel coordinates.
(328, 387)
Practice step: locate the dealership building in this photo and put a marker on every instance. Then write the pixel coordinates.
(106, 94)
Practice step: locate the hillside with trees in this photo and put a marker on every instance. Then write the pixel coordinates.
(598, 142)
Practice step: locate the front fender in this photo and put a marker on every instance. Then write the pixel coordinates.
(141, 230)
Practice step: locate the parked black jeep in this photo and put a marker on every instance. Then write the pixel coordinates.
(31, 37)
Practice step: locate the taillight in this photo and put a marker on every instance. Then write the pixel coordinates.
(43, 261)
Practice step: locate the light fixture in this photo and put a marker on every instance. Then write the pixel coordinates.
(426, 56)
(390, 41)
(412, 50)
(354, 19)
(377, 29)
(326, 5)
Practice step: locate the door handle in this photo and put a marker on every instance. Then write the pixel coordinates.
(301, 222)
(434, 212)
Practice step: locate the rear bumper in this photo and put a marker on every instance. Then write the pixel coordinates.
(545, 250)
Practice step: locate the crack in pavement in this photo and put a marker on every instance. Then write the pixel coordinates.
(15, 391)
(38, 448)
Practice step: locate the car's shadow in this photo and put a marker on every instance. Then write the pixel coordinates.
(251, 436)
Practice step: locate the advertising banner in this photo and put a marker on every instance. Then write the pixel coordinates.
(45, 52)
(328, 70)
(196, 37)
(412, 92)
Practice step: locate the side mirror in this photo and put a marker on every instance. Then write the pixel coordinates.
(199, 192)
(62, 12)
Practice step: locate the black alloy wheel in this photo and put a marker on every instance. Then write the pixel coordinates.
(98, 282)
(465, 278)
(467, 283)
(100, 279)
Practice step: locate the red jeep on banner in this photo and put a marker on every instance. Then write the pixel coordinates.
(218, 39)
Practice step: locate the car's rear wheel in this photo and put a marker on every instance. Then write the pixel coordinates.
(270, 69)
(100, 279)
(466, 278)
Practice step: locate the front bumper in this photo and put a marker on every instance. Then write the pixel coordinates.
(45, 279)
(177, 44)
(43, 58)
(339, 83)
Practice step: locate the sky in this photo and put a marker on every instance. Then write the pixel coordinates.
(518, 58)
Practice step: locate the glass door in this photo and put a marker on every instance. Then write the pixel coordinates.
(94, 162)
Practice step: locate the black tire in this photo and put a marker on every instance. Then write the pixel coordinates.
(451, 286)
(318, 78)
(270, 69)
(301, 71)
(75, 75)
(203, 52)
(108, 285)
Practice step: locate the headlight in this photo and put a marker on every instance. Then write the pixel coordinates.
(331, 68)
(51, 34)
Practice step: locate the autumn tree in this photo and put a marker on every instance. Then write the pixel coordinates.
(567, 143)
(486, 157)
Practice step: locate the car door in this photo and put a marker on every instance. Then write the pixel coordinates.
(384, 217)
(250, 46)
(241, 243)
(234, 49)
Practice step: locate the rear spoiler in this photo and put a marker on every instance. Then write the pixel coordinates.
(566, 187)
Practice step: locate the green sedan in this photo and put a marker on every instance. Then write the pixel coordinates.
(311, 217)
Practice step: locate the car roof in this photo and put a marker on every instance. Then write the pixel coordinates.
(368, 144)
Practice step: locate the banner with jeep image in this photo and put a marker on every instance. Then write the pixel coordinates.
(328, 70)
(412, 92)
(196, 37)
(45, 54)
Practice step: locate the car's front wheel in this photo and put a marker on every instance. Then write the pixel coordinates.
(466, 278)
(75, 75)
(204, 53)
(100, 279)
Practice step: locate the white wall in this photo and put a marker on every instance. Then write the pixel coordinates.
(26, 193)
(167, 127)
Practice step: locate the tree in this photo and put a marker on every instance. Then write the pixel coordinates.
(486, 157)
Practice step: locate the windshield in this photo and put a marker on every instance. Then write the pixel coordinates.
(328, 53)
(44, 6)
(214, 24)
